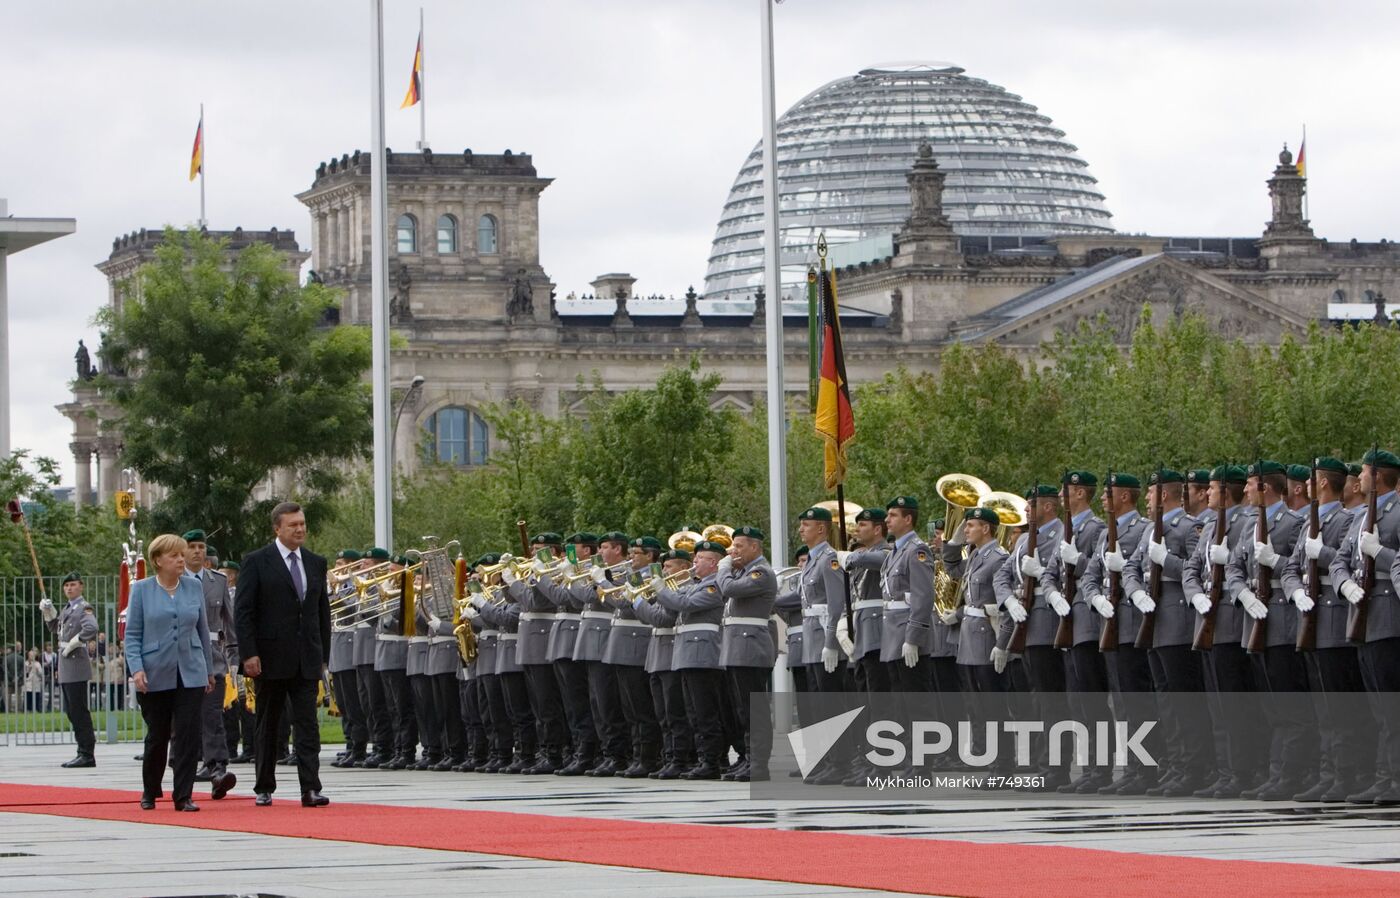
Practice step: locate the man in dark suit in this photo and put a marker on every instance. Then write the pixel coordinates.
(283, 621)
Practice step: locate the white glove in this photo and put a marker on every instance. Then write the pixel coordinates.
(999, 659)
(539, 566)
(911, 655)
(1157, 551)
(469, 612)
(1312, 547)
(949, 617)
(1143, 601)
(433, 621)
(1057, 602)
(1069, 554)
(993, 615)
(1370, 543)
(598, 574)
(843, 559)
(70, 647)
(1352, 591)
(830, 659)
(1014, 608)
(478, 599)
(47, 610)
(843, 638)
(508, 576)
(1201, 602)
(1031, 567)
(1255, 608)
(1219, 554)
(1102, 606)
(1264, 554)
(1302, 600)
(1114, 561)
(726, 564)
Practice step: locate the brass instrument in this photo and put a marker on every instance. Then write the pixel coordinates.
(684, 539)
(520, 567)
(349, 599)
(382, 590)
(960, 492)
(786, 578)
(852, 509)
(719, 533)
(438, 590)
(582, 571)
(649, 589)
(1012, 511)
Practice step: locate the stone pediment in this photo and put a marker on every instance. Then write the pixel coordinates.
(1121, 288)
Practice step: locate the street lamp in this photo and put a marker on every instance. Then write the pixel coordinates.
(415, 387)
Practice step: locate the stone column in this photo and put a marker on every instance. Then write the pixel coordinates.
(82, 461)
(106, 467)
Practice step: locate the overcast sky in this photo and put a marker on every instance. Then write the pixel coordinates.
(642, 112)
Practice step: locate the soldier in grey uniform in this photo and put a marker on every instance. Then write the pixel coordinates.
(513, 694)
(1333, 669)
(748, 585)
(667, 694)
(1280, 667)
(695, 658)
(595, 631)
(443, 666)
(367, 679)
(73, 627)
(391, 664)
(424, 709)
(571, 675)
(1380, 653)
(627, 653)
(788, 606)
(474, 713)
(972, 556)
(823, 587)
(342, 666)
(537, 620)
(864, 563)
(223, 647)
(500, 737)
(1176, 670)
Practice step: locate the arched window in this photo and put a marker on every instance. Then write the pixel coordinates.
(457, 436)
(408, 233)
(447, 235)
(486, 235)
(1339, 296)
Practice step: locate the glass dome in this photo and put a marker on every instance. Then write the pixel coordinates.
(844, 152)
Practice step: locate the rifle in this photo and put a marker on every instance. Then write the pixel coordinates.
(1108, 640)
(1307, 624)
(1017, 643)
(1064, 633)
(1356, 618)
(1205, 633)
(1154, 583)
(1263, 574)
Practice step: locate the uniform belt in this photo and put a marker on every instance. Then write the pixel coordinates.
(506, 636)
(566, 615)
(1166, 579)
(867, 603)
(628, 622)
(485, 633)
(974, 611)
(1382, 574)
(813, 612)
(898, 605)
(417, 640)
(439, 640)
(698, 628)
(385, 638)
(362, 626)
(598, 615)
(537, 615)
(746, 621)
(663, 631)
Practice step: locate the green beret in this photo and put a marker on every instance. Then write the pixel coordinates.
(1080, 478)
(582, 538)
(647, 542)
(547, 538)
(377, 554)
(709, 545)
(675, 555)
(73, 577)
(229, 565)
(614, 536)
(937, 523)
(801, 552)
(1328, 463)
(193, 536)
(1042, 491)
(1166, 475)
(1353, 469)
(1127, 481)
(348, 555)
(211, 551)
(1381, 458)
(1198, 475)
(1229, 474)
(815, 514)
(488, 558)
(401, 561)
(1300, 473)
(988, 515)
(1266, 468)
(907, 502)
(871, 514)
(750, 532)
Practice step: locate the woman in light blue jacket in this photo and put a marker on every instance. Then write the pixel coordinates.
(167, 652)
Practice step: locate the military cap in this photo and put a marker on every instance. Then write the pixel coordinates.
(488, 558)
(800, 553)
(709, 545)
(1080, 478)
(229, 566)
(815, 514)
(906, 502)
(348, 555)
(1381, 458)
(547, 538)
(1166, 475)
(401, 560)
(1300, 473)
(209, 550)
(647, 542)
(582, 538)
(1198, 475)
(988, 515)
(1043, 490)
(1266, 468)
(614, 536)
(193, 536)
(937, 523)
(1335, 465)
(73, 577)
(750, 532)
(675, 555)
(1229, 474)
(872, 514)
(1353, 469)
(377, 554)
(1127, 481)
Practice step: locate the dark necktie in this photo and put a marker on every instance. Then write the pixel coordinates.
(297, 580)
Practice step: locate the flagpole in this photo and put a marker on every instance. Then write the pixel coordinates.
(379, 300)
(1307, 216)
(203, 160)
(422, 83)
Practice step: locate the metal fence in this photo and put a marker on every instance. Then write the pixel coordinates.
(31, 704)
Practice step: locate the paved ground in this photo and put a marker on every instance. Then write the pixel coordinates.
(66, 856)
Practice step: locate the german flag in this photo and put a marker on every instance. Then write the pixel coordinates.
(415, 78)
(1302, 158)
(836, 423)
(197, 156)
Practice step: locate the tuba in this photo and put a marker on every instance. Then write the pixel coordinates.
(960, 492)
(1011, 508)
(719, 533)
(685, 539)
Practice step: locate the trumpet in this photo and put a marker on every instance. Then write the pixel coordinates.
(787, 578)
(519, 567)
(581, 572)
(602, 575)
(649, 589)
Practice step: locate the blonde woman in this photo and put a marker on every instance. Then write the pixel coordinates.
(168, 654)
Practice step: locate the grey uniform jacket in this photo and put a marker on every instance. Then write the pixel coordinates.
(1174, 619)
(488, 637)
(977, 572)
(595, 624)
(364, 645)
(1041, 619)
(563, 636)
(443, 657)
(1197, 575)
(628, 640)
(218, 608)
(788, 606)
(536, 622)
(342, 640)
(74, 619)
(823, 586)
(1084, 619)
(663, 634)
(418, 642)
(867, 597)
(1331, 610)
(390, 649)
(749, 592)
(699, 609)
(1382, 613)
(1096, 576)
(504, 618)
(907, 582)
(1281, 626)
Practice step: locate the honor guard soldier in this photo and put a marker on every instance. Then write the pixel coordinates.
(391, 664)
(1197, 503)
(867, 599)
(906, 580)
(73, 628)
(372, 700)
(342, 664)
(823, 603)
(747, 653)
(1086, 674)
(627, 653)
(788, 606)
(238, 720)
(223, 649)
(512, 699)
(424, 710)
(537, 619)
(667, 697)
(595, 631)
(571, 675)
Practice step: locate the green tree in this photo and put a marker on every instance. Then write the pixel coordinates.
(232, 376)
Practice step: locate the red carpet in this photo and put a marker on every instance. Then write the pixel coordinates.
(920, 866)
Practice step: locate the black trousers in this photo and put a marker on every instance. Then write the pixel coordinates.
(1294, 725)
(679, 737)
(875, 675)
(1380, 672)
(346, 684)
(517, 709)
(1235, 717)
(172, 732)
(472, 701)
(499, 733)
(297, 695)
(213, 739)
(703, 693)
(75, 705)
(605, 705)
(1086, 676)
(403, 722)
(425, 714)
(445, 695)
(572, 679)
(376, 708)
(750, 687)
(1045, 671)
(1337, 672)
(549, 709)
(1176, 674)
(1130, 676)
(634, 686)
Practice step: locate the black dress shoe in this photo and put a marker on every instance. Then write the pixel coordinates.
(397, 762)
(1322, 787)
(80, 761)
(314, 800)
(244, 758)
(186, 804)
(263, 799)
(542, 767)
(1368, 796)
(445, 765)
(221, 785)
(288, 761)
(576, 767)
(702, 771)
(148, 803)
(519, 765)
(606, 767)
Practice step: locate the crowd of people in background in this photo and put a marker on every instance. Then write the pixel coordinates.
(31, 678)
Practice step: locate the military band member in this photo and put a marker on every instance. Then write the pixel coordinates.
(595, 631)
(73, 628)
(342, 666)
(372, 699)
(627, 653)
(571, 675)
(667, 695)
(747, 653)
(391, 664)
(537, 619)
(972, 556)
(500, 726)
(476, 720)
(425, 712)
(510, 675)
(442, 666)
